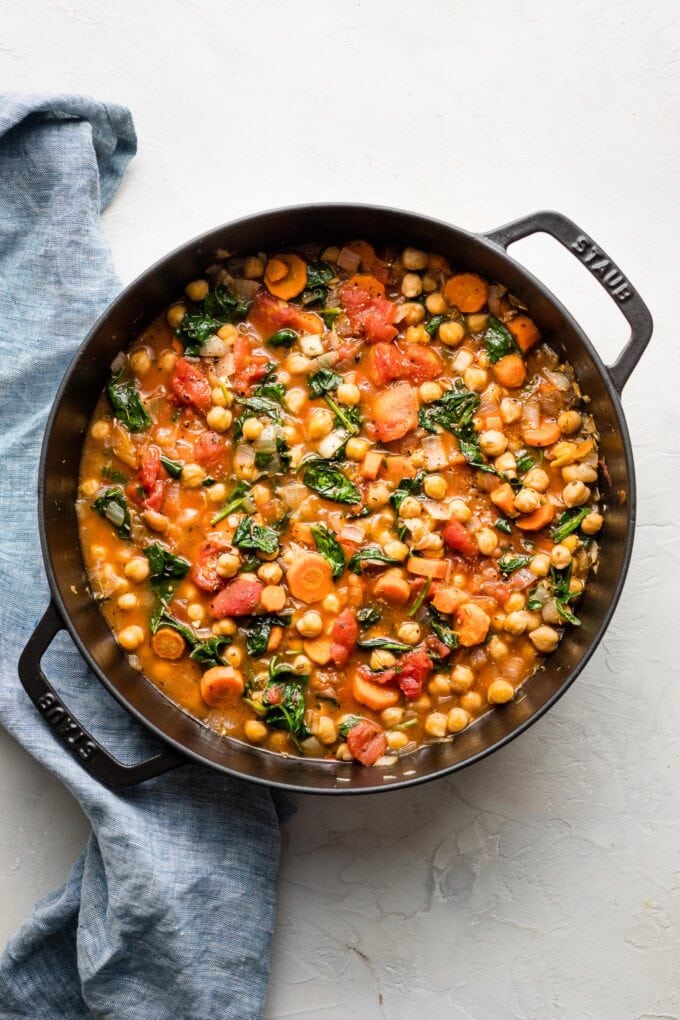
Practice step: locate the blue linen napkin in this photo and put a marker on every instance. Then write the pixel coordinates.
(169, 910)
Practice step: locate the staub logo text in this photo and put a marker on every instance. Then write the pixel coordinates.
(600, 265)
(66, 726)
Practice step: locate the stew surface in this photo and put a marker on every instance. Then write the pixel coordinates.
(340, 503)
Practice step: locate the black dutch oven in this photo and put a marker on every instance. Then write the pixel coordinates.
(73, 607)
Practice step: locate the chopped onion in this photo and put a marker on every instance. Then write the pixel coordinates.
(213, 347)
(115, 514)
(439, 511)
(331, 443)
(119, 362)
(293, 494)
(531, 414)
(558, 379)
(225, 366)
(326, 360)
(244, 456)
(351, 533)
(348, 260)
(434, 453)
(522, 578)
(386, 761)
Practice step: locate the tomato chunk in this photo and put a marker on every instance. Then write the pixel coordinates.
(269, 314)
(151, 465)
(367, 742)
(209, 450)
(370, 315)
(344, 637)
(249, 368)
(239, 598)
(459, 539)
(395, 411)
(414, 669)
(204, 570)
(190, 386)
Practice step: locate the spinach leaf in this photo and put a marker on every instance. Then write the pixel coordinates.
(453, 411)
(420, 598)
(218, 307)
(256, 537)
(319, 274)
(194, 330)
(524, 461)
(369, 555)
(388, 644)
(561, 580)
(112, 505)
(173, 467)
(407, 487)
(441, 629)
(208, 653)
(368, 616)
(329, 315)
(498, 341)
(323, 381)
(348, 724)
(268, 405)
(223, 304)
(508, 563)
(322, 384)
(235, 499)
(283, 700)
(166, 570)
(259, 631)
(503, 525)
(329, 547)
(127, 404)
(330, 483)
(282, 338)
(432, 327)
(111, 475)
(348, 418)
(569, 521)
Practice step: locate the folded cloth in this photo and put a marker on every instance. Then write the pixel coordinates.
(169, 910)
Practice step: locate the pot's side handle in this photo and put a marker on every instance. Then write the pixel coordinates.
(602, 267)
(75, 738)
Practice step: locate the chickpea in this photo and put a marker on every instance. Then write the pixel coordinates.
(411, 285)
(477, 322)
(343, 753)
(356, 449)
(227, 333)
(435, 724)
(540, 565)
(174, 315)
(435, 303)
(253, 268)
(460, 511)
(197, 290)
(396, 550)
(498, 649)
(252, 428)
(219, 419)
(500, 691)
(320, 424)
(506, 463)
(137, 569)
(493, 442)
(592, 523)
(167, 360)
(410, 508)
(476, 379)
(471, 702)
(429, 392)
(140, 362)
(228, 564)
(435, 486)
(560, 556)
(192, 476)
(412, 312)
(217, 493)
(544, 639)
(575, 494)
(255, 731)
(392, 716)
(396, 740)
(439, 686)
(517, 622)
(498, 621)
(218, 397)
(527, 500)
(89, 487)
(331, 253)
(417, 335)
(511, 410)
(487, 541)
(422, 704)
(514, 602)
(349, 394)
(382, 659)
(233, 656)
(130, 638)
(156, 521)
(195, 612)
(270, 573)
(430, 283)
(462, 679)
(310, 624)
(311, 345)
(457, 720)
(325, 730)
(301, 665)
(537, 479)
(570, 422)
(451, 333)
(273, 598)
(100, 430)
(409, 632)
(291, 435)
(579, 473)
(413, 258)
(378, 494)
(227, 627)
(331, 603)
(297, 364)
(127, 601)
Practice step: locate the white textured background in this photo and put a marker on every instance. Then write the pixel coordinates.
(544, 882)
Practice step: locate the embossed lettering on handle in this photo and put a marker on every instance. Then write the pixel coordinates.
(66, 726)
(601, 265)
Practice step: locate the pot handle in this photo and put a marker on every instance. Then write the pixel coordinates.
(605, 271)
(75, 738)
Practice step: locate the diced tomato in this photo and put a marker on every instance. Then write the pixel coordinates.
(190, 386)
(154, 500)
(347, 351)
(387, 362)
(268, 315)
(148, 490)
(248, 367)
(204, 570)
(395, 411)
(239, 598)
(367, 742)
(459, 539)
(209, 450)
(423, 362)
(498, 590)
(151, 465)
(437, 647)
(344, 637)
(412, 671)
(370, 316)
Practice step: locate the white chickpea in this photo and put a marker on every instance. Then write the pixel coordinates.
(430, 283)
(516, 623)
(575, 494)
(392, 716)
(273, 598)
(411, 285)
(382, 659)
(412, 312)
(127, 601)
(477, 322)
(233, 655)
(451, 333)
(429, 392)
(410, 508)
(413, 258)
(349, 394)
(462, 679)
(493, 442)
(297, 364)
(197, 290)
(378, 494)
(270, 573)
(439, 686)
(537, 479)
(217, 493)
(330, 254)
(417, 335)
(500, 692)
(560, 557)
(174, 315)
(506, 464)
(579, 473)
(570, 422)
(320, 424)
(252, 428)
(228, 564)
(497, 620)
(514, 602)
(253, 268)
(311, 345)
(219, 419)
(356, 449)
(140, 362)
(435, 303)
(544, 639)
(343, 753)
(218, 397)
(409, 632)
(436, 724)
(228, 333)
(591, 524)
(511, 410)
(324, 729)
(301, 665)
(497, 648)
(435, 486)
(396, 740)
(226, 627)
(310, 624)
(396, 550)
(130, 638)
(476, 379)
(471, 702)
(460, 511)
(167, 360)
(100, 430)
(192, 476)
(156, 521)
(291, 435)
(195, 612)
(540, 565)
(331, 603)
(137, 569)
(89, 487)
(487, 541)
(457, 719)
(527, 500)
(255, 731)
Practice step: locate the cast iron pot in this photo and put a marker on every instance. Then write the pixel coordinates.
(73, 607)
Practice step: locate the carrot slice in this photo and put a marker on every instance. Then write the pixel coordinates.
(373, 696)
(310, 577)
(371, 464)
(510, 371)
(398, 468)
(168, 644)
(286, 276)
(427, 568)
(368, 283)
(504, 498)
(542, 435)
(318, 650)
(392, 588)
(525, 331)
(221, 685)
(467, 291)
(472, 624)
(447, 600)
(538, 519)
